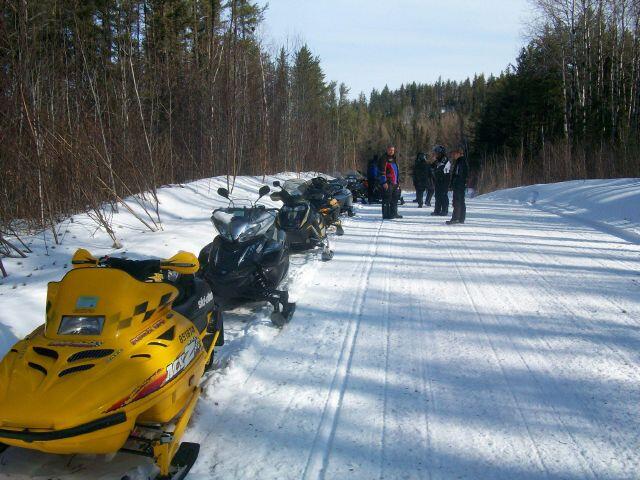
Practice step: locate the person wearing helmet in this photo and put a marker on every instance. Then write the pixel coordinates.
(459, 175)
(420, 177)
(442, 168)
(390, 182)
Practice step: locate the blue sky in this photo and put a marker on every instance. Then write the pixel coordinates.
(370, 43)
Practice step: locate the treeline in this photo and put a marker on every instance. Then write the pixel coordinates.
(104, 99)
(568, 107)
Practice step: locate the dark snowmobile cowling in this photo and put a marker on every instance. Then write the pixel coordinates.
(249, 258)
(356, 184)
(321, 195)
(339, 190)
(303, 223)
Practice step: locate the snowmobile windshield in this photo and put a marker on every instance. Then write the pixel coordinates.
(335, 186)
(242, 224)
(295, 187)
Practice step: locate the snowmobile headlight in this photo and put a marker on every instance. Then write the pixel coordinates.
(81, 325)
(297, 208)
(249, 232)
(222, 222)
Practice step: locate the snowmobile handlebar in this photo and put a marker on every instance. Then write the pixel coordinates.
(184, 263)
(224, 193)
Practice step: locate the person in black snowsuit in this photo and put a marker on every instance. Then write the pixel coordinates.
(373, 179)
(459, 174)
(442, 168)
(430, 183)
(390, 182)
(420, 177)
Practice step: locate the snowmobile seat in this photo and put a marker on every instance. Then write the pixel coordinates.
(139, 269)
(194, 300)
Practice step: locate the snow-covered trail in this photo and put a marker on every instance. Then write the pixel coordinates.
(507, 347)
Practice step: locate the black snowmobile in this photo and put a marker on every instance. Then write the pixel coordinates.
(249, 259)
(338, 189)
(303, 224)
(321, 196)
(356, 184)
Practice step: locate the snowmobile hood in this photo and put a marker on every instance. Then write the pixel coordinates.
(68, 373)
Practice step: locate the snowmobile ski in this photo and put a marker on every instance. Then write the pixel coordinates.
(182, 462)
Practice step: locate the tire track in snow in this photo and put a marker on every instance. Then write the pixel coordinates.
(542, 465)
(427, 399)
(425, 376)
(563, 303)
(578, 451)
(387, 298)
(319, 455)
(545, 287)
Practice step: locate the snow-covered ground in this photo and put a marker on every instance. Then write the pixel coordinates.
(504, 348)
(610, 205)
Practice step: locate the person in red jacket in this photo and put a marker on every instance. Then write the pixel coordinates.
(390, 182)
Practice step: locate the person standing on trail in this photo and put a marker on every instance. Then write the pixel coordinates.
(373, 176)
(430, 182)
(442, 167)
(420, 177)
(390, 182)
(459, 176)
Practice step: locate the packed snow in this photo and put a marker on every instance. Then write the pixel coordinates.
(610, 205)
(503, 348)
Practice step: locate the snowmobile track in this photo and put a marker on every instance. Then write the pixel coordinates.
(587, 470)
(494, 351)
(317, 461)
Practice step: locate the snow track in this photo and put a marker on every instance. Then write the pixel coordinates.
(505, 348)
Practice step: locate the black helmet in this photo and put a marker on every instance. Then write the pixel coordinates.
(439, 150)
(318, 181)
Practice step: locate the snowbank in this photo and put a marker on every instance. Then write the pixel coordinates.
(612, 206)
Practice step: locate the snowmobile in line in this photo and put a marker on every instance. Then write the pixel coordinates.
(338, 189)
(249, 259)
(303, 224)
(356, 183)
(116, 365)
(321, 196)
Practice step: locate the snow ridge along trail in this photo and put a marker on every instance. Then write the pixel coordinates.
(505, 348)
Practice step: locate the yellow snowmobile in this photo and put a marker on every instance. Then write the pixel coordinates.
(117, 364)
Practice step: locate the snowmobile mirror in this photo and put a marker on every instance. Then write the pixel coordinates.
(276, 183)
(263, 191)
(185, 263)
(223, 192)
(83, 259)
